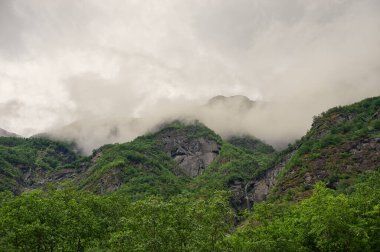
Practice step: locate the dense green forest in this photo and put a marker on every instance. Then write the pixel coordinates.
(24, 160)
(184, 188)
(68, 220)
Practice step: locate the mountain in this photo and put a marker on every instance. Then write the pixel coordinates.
(4, 133)
(176, 158)
(251, 144)
(92, 132)
(341, 144)
(238, 103)
(182, 187)
(25, 163)
(157, 163)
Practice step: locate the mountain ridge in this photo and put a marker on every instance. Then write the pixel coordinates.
(4, 133)
(191, 148)
(183, 187)
(342, 142)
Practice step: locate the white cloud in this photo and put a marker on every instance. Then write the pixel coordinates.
(65, 60)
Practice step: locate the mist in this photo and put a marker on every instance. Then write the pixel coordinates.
(101, 72)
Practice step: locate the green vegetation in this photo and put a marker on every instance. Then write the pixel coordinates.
(252, 144)
(261, 152)
(232, 164)
(34, 156)
(136, 169)
(67, 220)
(143, 168)
(128, 197)
(327, 221)
(192, 131)
(336, 147)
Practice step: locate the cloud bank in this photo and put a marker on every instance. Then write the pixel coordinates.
(125, 65)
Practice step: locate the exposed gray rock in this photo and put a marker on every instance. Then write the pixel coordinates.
(245, 194)
(258, 190)
(192, 156)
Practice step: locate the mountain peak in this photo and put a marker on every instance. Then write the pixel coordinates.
(4, 133)
(236, 102)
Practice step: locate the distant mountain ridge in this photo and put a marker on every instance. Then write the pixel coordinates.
(240, 103)
(4, 133)
(189, 157)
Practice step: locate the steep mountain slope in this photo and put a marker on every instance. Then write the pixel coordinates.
(172, 190)
(241, 160)
(27, 163)
(250, 143)
(177, 158)
(263, 153)
(342, 143)
(157, 163)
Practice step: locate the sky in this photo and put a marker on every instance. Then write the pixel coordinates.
(82, 67)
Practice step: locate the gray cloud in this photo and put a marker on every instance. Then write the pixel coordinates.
(10, 108)
(98, 65)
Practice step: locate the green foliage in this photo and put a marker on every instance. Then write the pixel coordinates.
(326, 221)
(72, 221)
(38, 221)
(67, 220)
(181, 224)
(327, 147)
(136, 169)
(194, 130)
(142, 168)
(262, 153)
(352, 121)
(252, 144)
(232, 164)
(143, 206)
(32, 155)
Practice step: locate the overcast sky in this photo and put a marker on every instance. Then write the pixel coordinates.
(67, 60)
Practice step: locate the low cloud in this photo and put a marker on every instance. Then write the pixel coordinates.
(104, 72)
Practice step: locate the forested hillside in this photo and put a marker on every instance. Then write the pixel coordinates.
(184, 188)
(26, 163)
(341, 144)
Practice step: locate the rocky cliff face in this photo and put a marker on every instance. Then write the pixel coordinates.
(349, 159)
(260, 189)
(342, 143)
(192, 155)
(246, 193)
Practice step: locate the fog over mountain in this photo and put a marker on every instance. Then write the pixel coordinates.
(100, 71)
(4, 133)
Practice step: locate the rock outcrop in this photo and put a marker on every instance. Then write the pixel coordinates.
(192, 155)
(259, 190)
(245, 194)
(358, 156)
